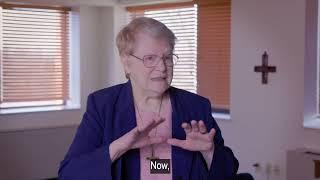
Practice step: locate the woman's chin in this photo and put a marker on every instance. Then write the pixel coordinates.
(159, 89)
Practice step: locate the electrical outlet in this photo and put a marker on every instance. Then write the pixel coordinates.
(276, 170)
(268, 168)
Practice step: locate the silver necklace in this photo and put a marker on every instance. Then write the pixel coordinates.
(152, 146)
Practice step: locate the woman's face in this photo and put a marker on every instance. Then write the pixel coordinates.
(151, 80)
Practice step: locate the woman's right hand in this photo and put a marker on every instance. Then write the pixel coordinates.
(136, 138)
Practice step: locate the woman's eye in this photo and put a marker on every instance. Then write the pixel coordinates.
(149, 58)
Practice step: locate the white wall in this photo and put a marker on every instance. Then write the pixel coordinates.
(267, 119)
(112, 72)
(35, 154)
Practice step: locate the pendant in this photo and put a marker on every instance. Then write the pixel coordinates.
(152, 154)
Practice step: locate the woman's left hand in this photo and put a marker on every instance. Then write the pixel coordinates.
(197, 137)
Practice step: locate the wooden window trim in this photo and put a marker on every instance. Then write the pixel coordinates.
(163, 6)
(19, 5)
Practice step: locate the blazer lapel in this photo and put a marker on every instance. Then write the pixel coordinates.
(128, 166)
(125, 112)
(181, 159)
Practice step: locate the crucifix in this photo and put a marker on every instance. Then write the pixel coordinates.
(264, 68)
(152, 154)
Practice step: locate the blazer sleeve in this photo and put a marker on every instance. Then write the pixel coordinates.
(88, 156)
(224, 164)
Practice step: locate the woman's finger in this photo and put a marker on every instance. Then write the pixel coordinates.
(143, 127)
(194, 125)
(202, 127)
(131, 137)
(212, 133)
(156, 140)
(186, 127)
(155, 122)
(176, 142)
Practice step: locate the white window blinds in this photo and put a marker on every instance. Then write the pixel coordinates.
(34, 55)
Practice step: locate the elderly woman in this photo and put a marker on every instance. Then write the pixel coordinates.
(128, 125)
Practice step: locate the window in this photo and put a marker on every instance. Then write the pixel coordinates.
(34, 56)
(203, 31)
(312, 67)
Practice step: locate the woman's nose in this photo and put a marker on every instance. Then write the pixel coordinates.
(161, 66)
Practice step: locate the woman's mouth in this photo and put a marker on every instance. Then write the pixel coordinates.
(158, 79)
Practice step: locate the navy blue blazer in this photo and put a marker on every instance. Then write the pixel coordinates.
(110, 114)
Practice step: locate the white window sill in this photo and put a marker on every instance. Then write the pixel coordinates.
(313, 123)
(26, 122)
(221, 116)
(39, 109)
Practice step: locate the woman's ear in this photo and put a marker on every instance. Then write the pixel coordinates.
(125, 63)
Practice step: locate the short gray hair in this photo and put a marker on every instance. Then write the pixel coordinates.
(126, 38)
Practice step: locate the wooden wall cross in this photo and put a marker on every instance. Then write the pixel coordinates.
(264, 68)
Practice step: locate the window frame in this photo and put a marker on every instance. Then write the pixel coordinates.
(73, 101)
(312, 67)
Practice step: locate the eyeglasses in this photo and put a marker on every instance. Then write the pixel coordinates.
(153, 60)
